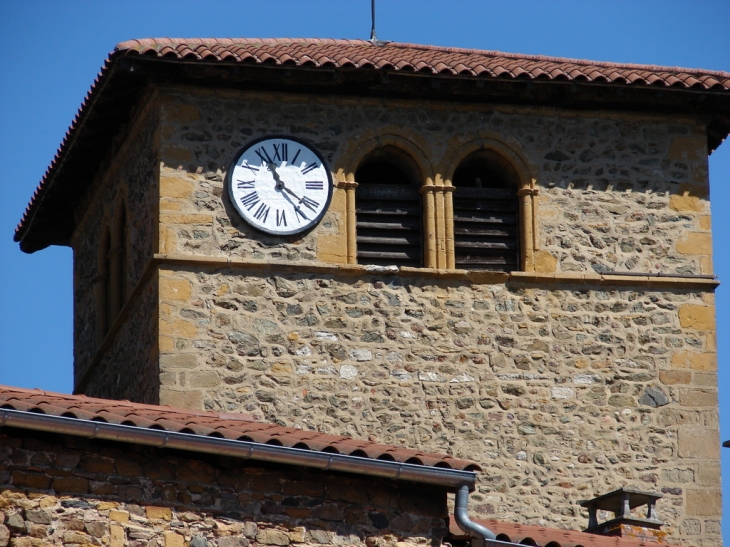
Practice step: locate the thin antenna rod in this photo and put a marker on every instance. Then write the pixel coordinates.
(373, 37)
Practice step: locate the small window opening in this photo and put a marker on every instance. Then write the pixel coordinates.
(486, 223)
(105, 312)
(389, 219)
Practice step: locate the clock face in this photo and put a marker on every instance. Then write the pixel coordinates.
(280, 185)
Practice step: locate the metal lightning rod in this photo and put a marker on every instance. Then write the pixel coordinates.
(373, 37)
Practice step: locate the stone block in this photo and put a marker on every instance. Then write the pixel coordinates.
(196, 219)
(545, 262)
(158, 513)
(693, 316)
(175, 187)
(694, 442)
(695, 361)
(119, 516)
(695, 243)
(175, 289)
(176, 112)
(688, 149)
(272, 537)
(181, 399)
(178, 327)
(674, 377)
(173, 539)
(205, 378)
(117, 537)
(708, 473)
(30, 480)
(66, 485)
(706, 502)
(698, 397)
(178, 360)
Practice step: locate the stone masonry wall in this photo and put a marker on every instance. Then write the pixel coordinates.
(560, 392)
(619, 191)
(132, 175)
(58, 490)
(129, 368)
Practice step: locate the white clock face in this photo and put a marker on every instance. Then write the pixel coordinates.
(280, 185)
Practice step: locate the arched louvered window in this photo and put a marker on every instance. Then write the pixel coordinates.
(104, 283)
(486, 223)
(119, 260)
(388, 210)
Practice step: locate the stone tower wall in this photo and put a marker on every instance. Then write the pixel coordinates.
(131, 175)
(564, 383)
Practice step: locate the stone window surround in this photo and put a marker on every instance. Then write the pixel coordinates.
(437, 190)
(112, 290)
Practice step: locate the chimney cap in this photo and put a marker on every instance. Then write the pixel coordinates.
(614, 501)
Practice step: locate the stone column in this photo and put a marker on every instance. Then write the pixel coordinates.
(431, 234)
(528, 228)
(449, 222)
(350, 218)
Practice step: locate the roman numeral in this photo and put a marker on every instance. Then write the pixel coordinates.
(310, 167)
(251, 167)
(296, 156)
(314, 184)
(262, 212)
(309, 203)
(280, 219)
(249, 200)
(281, 152)
(243, 184)
(261, 153)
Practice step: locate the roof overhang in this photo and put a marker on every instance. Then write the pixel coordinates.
(347, 68)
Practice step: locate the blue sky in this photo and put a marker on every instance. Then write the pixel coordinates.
(50, 52)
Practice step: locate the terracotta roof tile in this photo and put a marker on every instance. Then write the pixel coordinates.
(399, 57)
(230, 426)
(530, 534)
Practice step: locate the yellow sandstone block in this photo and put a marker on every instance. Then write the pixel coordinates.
(695, 243)
(175, 187)
(168, 240)
(166, 204)
(175, 289)
(119, 516)
(692, 316)
(106, 505)
(174, 540)
(694, 361)
(116, 536)
(167, 343)
(706, 222)
(159, 513)
(182, 218)
(179, 327)
(545, 262)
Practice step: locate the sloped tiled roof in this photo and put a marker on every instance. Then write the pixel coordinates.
(361, 54)
(358, 55)
(539, 536)
(213, 424)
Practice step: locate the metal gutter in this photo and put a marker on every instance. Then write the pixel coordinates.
(468, 526)
(452, 479)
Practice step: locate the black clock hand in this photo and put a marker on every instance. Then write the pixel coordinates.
(296, 208)
(281, 186)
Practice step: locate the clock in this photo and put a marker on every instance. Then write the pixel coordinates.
(280, 185)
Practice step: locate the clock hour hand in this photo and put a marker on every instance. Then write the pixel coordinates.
(281, 186)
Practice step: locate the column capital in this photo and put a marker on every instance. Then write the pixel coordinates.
(346, 184)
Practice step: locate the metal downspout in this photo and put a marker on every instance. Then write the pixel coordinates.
(461, 515)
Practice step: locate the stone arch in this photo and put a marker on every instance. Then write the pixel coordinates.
(516, 157)
(416, 148)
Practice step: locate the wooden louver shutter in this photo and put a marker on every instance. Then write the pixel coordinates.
(486, 230)
(389, 225)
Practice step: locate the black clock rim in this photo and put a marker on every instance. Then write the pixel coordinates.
(303, 142)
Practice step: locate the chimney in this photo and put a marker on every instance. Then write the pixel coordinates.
(624, 524)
